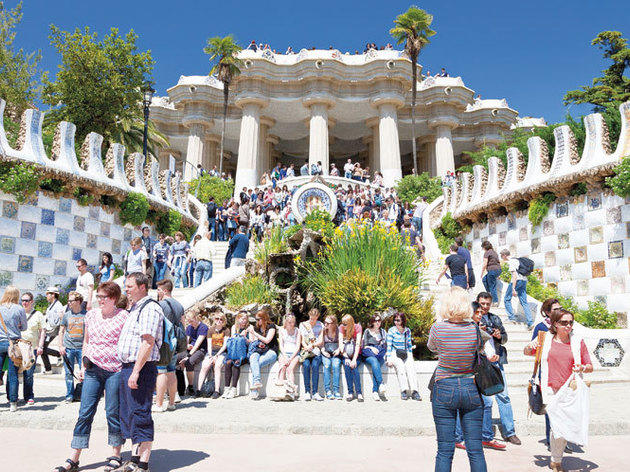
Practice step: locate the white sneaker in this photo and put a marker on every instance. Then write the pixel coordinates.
(178, 399)
(158, 409)
(12, 407)
(234, 392)
(376, 397)
(170, 407)
(381, 389)
(307, 397)
(360, 398)
(317, 397)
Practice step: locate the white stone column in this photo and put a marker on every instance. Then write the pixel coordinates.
(318, 146)
(248, 147)
(389, 145)
(444, 158)
(263, 162)
(374, 146)
(194, 150)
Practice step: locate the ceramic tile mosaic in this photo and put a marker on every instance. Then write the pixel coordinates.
(579, 222)
(128, 234)
(580, 254)
(76, 253)
(48, 217)
(65, 205)
(522, 234)
(502, 238)
(596, 235)
(60, 268)
(550, 259)
(617, 284)
(25, 264)
(615, 249)
(105, 229)
(548, 229)
(563, 241)
(63, 236)
(562, 209)
(601, 299)
(594, 203)
(535, 245)
(93, 212)
(9, 209)
(116, 246)
(613, 215)
(91, 241)
(565, 272)
(582, 288)
(492, 228)
(44, 249)
(598, 268)
(609, 352)
(42, 282)
(7, 245)
(28, 230)
(32, 199)
(79, 224)
(6, 278)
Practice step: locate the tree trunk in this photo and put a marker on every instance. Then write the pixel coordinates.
(414, 74)
(226, 92)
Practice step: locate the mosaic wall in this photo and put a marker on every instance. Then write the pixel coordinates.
(41, 239)
(582, 246)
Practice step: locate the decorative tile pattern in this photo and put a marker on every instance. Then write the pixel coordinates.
(511, 221)
(580, 254)
(116, 246)
(25, 264)
(563, 241)
(578, 222)
(502, 238)
(28, 230)
(48, 217)
(613, 215)
(492, 228)
(596, 235)
(91, 240)
(94, 212)
(582, 288)
(594, 203)
(65, 205)
(536, 245)
(105, 229)
(550, 259)
(32, 199)
(42, 282)
(565, 272)
(76, 253)
(522, 234)
(562, 209)
(602, 299)
(6, 278)
(44, 249)
(128, 234)
(7, 245)
(615, 249)
(60, 268)
(79, 224)
(617, 284)
(9, 209)
(63, 236)
(548, 229)
(599, 269)
(609, 352)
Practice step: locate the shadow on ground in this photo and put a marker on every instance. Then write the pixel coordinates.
(570, 464)
(162, 460)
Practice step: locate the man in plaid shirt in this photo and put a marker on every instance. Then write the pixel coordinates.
(139, 350)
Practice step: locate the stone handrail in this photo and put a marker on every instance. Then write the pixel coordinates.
(162, 188)
(298, 180)
(484, 192)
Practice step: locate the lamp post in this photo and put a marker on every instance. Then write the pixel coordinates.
(146, 101)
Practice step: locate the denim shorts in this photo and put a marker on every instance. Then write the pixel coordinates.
(170, 367)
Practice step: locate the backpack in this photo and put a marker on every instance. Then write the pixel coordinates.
(525, 266)
(236, 349)
(169, 343)
(212, 209)
(180, 334)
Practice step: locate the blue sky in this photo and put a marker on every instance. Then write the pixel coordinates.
(527, 52)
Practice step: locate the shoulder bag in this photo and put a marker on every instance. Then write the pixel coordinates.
(402, 353)
(488, 376)
(534, 392)
(20, 351)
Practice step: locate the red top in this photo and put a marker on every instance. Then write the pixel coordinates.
(103, 334)
(560, 362)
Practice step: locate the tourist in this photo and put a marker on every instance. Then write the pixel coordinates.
(203, 251)
(291, 171)
(35, 333)
(417, 214)
(443, 73)
(491, 265)
(465, 253)
(234, 359)
(316, 168)
(218, 334)
(178, 253)
(304, 170)
(456, 264)
(100, 374)
(148, 243)
(238, 247)
(197, 347)
(262, 336)
(310, 355)
(161, 254)
(12, 323)
(232, 219)
(289, 341)
(221, 221)
(71, 331)
(136, 257)
(139, 350)
(348, 169)
(166, 376)
(85, 282)
(400, 357)
(334, 171)
(454, 392)
(191, 264)
(289, 50)
(373, 354)
(516, 288)
(560, 351)
(411, 238)
(350, 336)
(331, 358)
(107, 268)
(54, 313)
(258, 223)
(378, 179)
(243, 212)
(211, 209)
(265, 178)
(357, 172)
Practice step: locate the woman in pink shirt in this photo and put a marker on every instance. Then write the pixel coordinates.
(100, 373)
(558, 362)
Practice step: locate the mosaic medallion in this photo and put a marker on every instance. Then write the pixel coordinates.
(65, 205)
(25, 264)
(562, 209)
(598, 269)
(7, 245)
(6, 278)
(63, 236)
(594, 203)
(580, 254)
(28, 230)
(9, 209)
(91, 241)
(79, 224)
(48, 217)
(76, 253)
(60, 268)
(105, 229)
(94, 212)
(313, 196)
(609, 352)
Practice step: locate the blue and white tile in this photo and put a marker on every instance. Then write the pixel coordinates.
(28, 230)
(9, 209)
(62, 236)
(128, 234)
(116, 232)
(79, 210)
(8, 262)
(65, 205)
(25, 264)
(92, 226)
(6, 278)
(41, 282)
(91, 255)
(48, 202)
(91, 241)
(103, 244)
(60, 268)
(62, 252)
(106, 216)
(26, 247)
(64, 220)
(24, 280)
(7, 245)
(79, 224)
(43, 266)
(94, 212)
(44, 249)
(48, 217)
(76, 253)
(78, 239)
(29, 213)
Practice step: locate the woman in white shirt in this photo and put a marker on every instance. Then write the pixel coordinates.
(290, 341)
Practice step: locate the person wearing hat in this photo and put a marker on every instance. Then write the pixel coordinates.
(53, 316)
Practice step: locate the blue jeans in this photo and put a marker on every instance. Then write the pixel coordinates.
(160, 270)
(505, 407)
(28, 381)
(74, 357)
(453, 397)
(256, 361)
(190, 272)
(459, 281)
(179, 271)
(203, 272)
(353, 379)
(96, 382)
(221, 230)
(310, 370)
(417, 223)
(12, 376)
(521, 292)
(212, 227)
(377, 376)
(490, 283)
(331, 382)
(487, 433)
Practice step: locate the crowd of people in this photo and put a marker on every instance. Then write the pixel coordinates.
(253, 46)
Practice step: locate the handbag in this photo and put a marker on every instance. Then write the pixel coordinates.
(207, 388)
(402, 353)
(534, 392)
(20, 351)
(488, 376)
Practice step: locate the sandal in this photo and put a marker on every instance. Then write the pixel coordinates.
(74, 467)
(113, 463)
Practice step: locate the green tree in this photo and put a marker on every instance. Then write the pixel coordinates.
(18, 69)
(207, 186)
(411, 187)
(99, 86)
(414, 29)
(613, 88)
(226, 65)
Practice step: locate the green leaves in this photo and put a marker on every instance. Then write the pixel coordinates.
(620, 182)
(19, 179)
(446, 233)
(207, 186)
(134, 209)
(252, 289)
(223, 54)
(414, 29)
(539, 207)
(411, 187)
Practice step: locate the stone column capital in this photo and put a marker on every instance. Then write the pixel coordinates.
(372, 122)
(266, 121)
(273, 139)
(450, 122)
(250, 100)
(394, 99)
(318, 98)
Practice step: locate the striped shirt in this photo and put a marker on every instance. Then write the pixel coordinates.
(148, 321)
(397, 340)
(455, 344)
(102, 336)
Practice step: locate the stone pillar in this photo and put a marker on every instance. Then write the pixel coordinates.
(444, 158)
(212, 154)
(374, 146)
(194, 150)
(318, 136)
(389, 145)
(263, 162)
(248, 146)
(272, 155)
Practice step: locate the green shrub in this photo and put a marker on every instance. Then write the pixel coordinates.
(578, 189)
(134, 209)
(319, 220)
(505, 276)
(597, 316)
(275, 243)
(19, 179)
(252, 289)
(411, 187)
(620, 182)
(83, 196)
(539, 207)
(212, 187)
(55, 186)
(446, 233)
(169, 222)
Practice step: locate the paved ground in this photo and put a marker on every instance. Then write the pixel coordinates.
(258, 453)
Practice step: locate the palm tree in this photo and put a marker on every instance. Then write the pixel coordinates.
(414, 29)
(223, 53)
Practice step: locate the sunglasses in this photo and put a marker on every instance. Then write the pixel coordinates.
(565, 322)
(377, 320)
(25, 300)
(101, 297)
(397, 320)
(73, 299)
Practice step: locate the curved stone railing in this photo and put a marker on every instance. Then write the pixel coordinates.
(163, 189)
(297, 181)
(486, 191)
